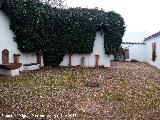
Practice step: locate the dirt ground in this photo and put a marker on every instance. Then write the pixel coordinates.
(126, 90)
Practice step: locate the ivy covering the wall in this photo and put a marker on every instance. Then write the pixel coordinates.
(55, 32)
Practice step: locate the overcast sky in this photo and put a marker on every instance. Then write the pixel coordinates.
(142, 17)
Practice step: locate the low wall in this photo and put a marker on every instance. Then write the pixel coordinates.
(89, 61)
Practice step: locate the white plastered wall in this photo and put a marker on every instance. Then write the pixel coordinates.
(7, 42)
(149, 60)
(136, 51)
(90, 59)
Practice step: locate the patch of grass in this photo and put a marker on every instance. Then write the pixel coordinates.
(64, 80)
(123, 83)
(71, 81)
(151, 97)
(151, 76)
(142, 96)
(83, 71)
(17, 82)
(112, 96)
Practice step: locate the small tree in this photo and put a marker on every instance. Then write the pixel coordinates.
(120, 54)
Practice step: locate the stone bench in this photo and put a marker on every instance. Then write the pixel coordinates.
(11, 69)
(31, 66)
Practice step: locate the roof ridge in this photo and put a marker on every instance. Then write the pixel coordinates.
(152, 36)
(133, 43)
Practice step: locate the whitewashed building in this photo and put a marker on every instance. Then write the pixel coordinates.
(97, 58)
(135, 51)
(153, 49)
(11, 59)
(148, 51)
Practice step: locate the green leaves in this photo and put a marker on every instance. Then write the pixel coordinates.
(55, 32)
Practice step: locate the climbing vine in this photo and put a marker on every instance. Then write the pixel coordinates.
(55, 32)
